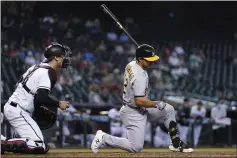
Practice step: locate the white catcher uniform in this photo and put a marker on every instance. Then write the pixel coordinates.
(20, 106)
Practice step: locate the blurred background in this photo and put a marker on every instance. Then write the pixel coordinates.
(197, 70)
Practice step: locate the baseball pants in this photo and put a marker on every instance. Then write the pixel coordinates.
(135, 122)
(24, 125)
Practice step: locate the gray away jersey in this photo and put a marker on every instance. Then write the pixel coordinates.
(136, 84)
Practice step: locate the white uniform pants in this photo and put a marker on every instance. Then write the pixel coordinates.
(22, 122)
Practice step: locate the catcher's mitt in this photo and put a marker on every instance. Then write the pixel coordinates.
(45, 117)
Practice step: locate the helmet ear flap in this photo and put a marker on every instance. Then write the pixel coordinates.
(138, 58)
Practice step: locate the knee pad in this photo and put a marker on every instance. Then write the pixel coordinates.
(173, 130)
(16, 146)
(25, 146)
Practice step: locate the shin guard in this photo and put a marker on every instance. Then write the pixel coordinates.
(174, 134)
(25, 146)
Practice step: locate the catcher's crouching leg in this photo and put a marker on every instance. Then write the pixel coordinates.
(23, 145)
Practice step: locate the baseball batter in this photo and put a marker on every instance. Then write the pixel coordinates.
(28, 109)
(137, 108)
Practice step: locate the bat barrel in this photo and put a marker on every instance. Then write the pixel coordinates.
(106, 10)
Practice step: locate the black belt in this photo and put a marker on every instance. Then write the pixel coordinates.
(15, 105)
(142, 111)
(131, 106)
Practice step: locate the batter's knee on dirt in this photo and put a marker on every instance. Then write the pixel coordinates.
(137, 148)
(26, 146)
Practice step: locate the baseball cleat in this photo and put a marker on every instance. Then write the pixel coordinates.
(97, 141)
(182, 148)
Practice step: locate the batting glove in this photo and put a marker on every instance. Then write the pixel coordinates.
(160, 105)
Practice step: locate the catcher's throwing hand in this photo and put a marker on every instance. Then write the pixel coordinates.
(63, 105)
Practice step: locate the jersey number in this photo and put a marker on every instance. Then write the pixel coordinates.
(125, 84)
(128, 77)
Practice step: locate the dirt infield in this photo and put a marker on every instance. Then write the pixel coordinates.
(147, 154)
(207, 152)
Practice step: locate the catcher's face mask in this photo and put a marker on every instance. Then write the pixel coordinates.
(67, 58)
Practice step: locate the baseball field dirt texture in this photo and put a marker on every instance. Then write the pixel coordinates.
(199, 152)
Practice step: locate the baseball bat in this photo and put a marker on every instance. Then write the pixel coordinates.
(107, 11)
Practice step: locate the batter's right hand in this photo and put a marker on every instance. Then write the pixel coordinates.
(63, 105)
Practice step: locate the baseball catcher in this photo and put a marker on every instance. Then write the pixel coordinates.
(30, 109)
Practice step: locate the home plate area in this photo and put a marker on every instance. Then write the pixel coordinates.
(201, 152)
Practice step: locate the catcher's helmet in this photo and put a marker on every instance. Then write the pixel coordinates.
(147, 52)
(58, 50)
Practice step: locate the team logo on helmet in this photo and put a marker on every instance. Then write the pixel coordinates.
(153, 53)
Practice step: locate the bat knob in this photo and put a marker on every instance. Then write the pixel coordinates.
(102, 6)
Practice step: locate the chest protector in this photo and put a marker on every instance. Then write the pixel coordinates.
(44, 115)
